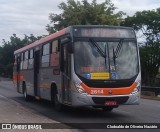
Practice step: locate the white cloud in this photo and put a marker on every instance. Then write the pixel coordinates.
(25, 17)
(31, 16)
(132, 6)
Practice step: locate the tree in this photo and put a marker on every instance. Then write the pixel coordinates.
(84, 13)
(7, 52)
(148, 22)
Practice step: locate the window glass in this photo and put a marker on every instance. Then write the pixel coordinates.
(25, 64)
(45, 57)
(46, 49)
(54, 46)
(22, 57)
(116, 60)
(26, 55)
(31, 54)
(30, 63)
(45, 61)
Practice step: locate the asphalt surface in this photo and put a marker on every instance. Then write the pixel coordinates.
(147, 112)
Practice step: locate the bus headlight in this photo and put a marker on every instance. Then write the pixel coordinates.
(137, 88)
(79, 88)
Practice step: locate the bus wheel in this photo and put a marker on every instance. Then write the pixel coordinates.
(26, 96)
(58, 106)
(108, 109)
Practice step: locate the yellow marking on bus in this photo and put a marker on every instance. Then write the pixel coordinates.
(100, 75)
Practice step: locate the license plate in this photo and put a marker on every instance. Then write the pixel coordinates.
(111, 103)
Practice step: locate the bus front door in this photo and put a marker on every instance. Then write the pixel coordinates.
(66, 97)
(36, 72)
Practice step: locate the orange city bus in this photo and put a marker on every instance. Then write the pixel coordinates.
(92, 65)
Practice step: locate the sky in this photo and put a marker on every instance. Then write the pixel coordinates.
(31, 16)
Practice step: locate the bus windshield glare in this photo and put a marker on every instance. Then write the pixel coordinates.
(102, 60)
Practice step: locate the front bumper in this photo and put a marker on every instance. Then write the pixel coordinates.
(97, 100)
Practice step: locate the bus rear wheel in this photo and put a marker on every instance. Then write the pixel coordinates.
(26, 96)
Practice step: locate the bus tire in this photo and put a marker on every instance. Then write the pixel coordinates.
(54, 98)
(108, 109)
(53, 92)
(26, 96)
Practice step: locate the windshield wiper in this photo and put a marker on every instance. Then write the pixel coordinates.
(118, 49)
(101, 52)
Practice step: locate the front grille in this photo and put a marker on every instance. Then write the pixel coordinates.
(108, 83)
(102, 84)
(102, 100)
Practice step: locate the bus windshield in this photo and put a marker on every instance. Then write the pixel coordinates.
(102, 60)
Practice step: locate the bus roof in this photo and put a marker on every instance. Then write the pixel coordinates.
(62, 32)
(100, 26)
(42, 40)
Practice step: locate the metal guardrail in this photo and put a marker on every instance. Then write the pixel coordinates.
(156, 90)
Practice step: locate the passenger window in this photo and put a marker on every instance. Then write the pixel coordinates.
(45, 55)
(55, 46)
(31, 54)
(30, 62)
(55, 54)
(25, 62)
(22, 58)
(46, 49)
(26, 55)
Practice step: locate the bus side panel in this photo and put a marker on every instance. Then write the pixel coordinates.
(29, 81)
(46, 79)
(20, 78)
(16, 75)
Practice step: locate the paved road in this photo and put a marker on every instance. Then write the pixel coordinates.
(11, 111)
(147, 112)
